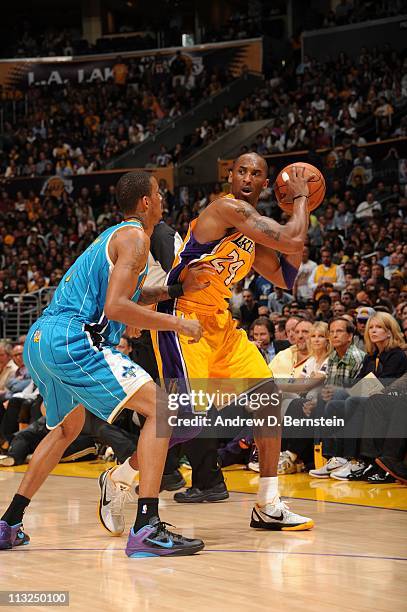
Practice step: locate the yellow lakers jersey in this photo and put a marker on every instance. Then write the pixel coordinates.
(231, 257)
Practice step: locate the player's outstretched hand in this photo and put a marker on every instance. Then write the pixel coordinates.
(297, 183)
(191, 282)
(191, 328)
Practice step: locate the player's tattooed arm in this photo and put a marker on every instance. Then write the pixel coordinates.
(128, 250)
(287, 238)
(190, 284)
(152, 295)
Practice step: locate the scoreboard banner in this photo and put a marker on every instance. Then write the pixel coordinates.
(27, 72)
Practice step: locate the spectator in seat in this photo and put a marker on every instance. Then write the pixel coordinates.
(278, 299)
(344, 364)
(387, 360)
(178, 70)
(249, 310)
(262, 332)
(20, 378)
(363, 314)
(298, 449)
(289, 362)
(368, 207)
(326, 272)
(8, 367)
(301, 289)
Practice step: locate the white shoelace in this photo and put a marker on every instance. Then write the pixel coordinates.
(121, 496)
(283, 508)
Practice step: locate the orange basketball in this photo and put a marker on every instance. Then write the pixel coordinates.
(316, 186)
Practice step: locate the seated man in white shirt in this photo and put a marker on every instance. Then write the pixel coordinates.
(366, 208)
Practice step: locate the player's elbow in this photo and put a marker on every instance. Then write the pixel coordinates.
(292, 247)
(112, 310)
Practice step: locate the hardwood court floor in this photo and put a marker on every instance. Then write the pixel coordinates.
(354, 559)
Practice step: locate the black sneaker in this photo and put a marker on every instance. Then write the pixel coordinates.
(381, 477)
(154, 540)
(363, 474)
(193, 495)
(397, 469)
(172, 482)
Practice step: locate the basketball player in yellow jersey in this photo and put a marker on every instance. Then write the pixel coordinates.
(231, 236)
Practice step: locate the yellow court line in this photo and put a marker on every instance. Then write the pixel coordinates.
(299, 486)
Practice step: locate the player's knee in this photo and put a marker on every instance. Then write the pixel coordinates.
(73, 424)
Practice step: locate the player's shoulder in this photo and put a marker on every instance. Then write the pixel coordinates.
(128, 239)
(128, 233)
(229, 203)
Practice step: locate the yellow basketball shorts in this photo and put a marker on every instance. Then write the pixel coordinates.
(224, 352)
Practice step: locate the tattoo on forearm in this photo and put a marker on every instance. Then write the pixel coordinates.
(152, 295)
(263, 226)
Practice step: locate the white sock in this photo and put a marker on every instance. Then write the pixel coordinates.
(268, 491)
(124, 474)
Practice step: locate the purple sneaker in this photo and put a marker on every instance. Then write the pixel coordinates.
(12, 536)
(154, 540)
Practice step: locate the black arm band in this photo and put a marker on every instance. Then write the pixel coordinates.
(175, 291)
(300, 196)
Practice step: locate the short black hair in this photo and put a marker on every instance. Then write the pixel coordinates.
(130, 188)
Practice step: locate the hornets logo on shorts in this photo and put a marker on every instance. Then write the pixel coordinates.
(129, 371)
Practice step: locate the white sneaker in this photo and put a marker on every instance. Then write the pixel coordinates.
(325, 471)
(6, 461)
(350, 468)
(112, 499)
(286, 463)
(278, 517)
(342, 473)
(254, 464)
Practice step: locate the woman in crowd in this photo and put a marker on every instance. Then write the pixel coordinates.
(299, 450)
(387, 360)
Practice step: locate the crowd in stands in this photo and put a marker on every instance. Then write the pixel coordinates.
(76, 129)
(67, 129)
(315, 106)
(256, 20)
(70, 131)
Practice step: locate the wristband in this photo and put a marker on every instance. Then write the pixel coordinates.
(301, 195)
(175, 291)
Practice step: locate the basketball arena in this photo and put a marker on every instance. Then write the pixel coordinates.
(203, 305)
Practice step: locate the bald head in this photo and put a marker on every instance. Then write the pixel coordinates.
(248, 177)
(252, 159)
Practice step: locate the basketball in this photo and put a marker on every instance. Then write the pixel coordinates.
(316, 186)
